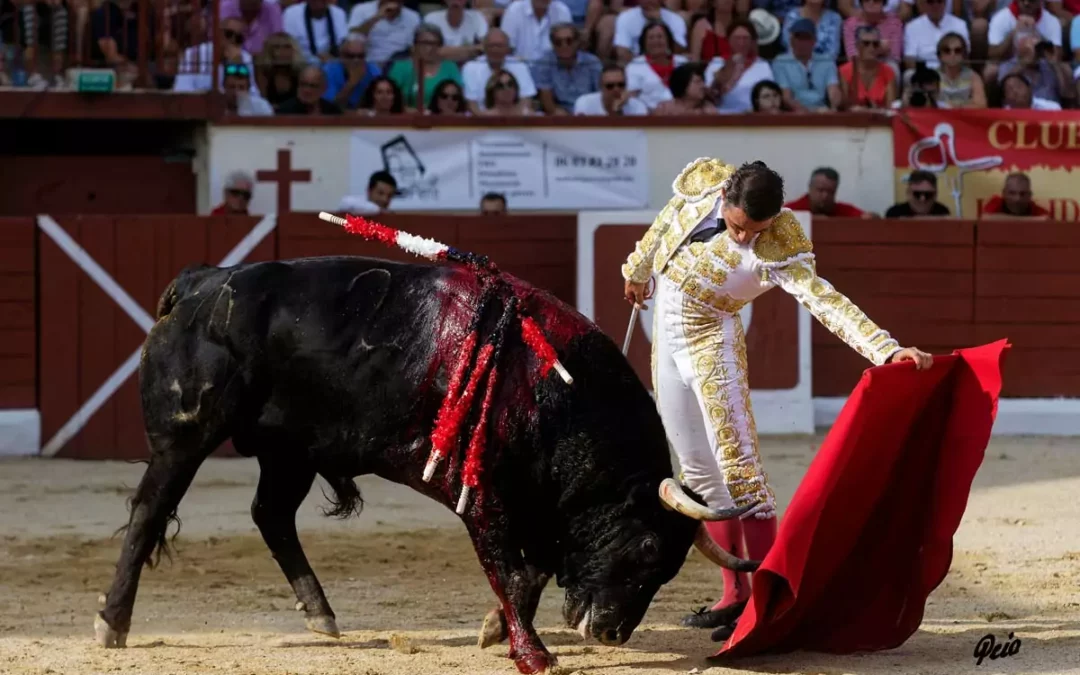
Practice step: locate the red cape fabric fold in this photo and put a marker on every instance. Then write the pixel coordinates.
(868, 533)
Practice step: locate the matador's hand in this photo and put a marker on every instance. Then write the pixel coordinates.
(637, 294)
(922, 360)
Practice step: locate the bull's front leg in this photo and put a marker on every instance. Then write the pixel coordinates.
(493, 631)
(515, 584)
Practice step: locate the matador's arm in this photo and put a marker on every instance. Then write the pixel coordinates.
(638, 267)
(789, 262)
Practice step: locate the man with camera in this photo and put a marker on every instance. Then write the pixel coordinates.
(923, 91)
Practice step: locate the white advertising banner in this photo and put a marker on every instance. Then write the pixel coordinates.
(579, 169)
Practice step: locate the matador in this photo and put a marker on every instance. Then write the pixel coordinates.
(723, 239)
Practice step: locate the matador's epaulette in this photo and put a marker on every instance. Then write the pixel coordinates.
(701, 178)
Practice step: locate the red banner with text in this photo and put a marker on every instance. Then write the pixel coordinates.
(972, 151)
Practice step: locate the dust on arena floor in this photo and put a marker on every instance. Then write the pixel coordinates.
(410, 596)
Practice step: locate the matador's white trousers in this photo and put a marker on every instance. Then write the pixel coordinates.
(703, 394)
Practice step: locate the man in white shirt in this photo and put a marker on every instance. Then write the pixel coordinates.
(613, 97)
(477, 72)
(194, 74)
(380, 192)
(630, 24)
(389, 28)
(462, 29)
(239, 99)
(1031, 15)
(921, 35)
(528, 25)
(318, 27)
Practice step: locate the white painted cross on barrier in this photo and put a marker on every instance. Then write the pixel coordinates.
(102, 278)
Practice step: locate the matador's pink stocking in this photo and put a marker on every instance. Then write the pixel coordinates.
(728, 534)
(760, 534)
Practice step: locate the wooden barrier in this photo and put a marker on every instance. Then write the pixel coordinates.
(936, 284)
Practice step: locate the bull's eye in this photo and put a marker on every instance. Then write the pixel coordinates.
(650, 548)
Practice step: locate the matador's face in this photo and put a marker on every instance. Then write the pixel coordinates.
(740, 227)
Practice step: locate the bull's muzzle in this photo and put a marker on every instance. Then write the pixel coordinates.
(673, 497)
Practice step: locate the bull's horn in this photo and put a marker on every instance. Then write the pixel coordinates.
(672, 495)
(715, 553)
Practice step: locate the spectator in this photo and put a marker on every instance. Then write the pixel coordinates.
(567, 73)
(381, 98)
(477, 72)
(425, 55)
(922, 35)
(961, 87)
(827, 26)
(767, 98)
(708, 32)
(1074, 42)
(239, 98)
(820, 199)
(1018, 16)
(114, 30)
(1032, 61)
(631, 23)
(502, 96)
(810, 82)
(462, 29)
(924, 91)
(1015, 201)
(277, 68)
(527, 23)
(348, 78)
(311, 87)
(849, 8)
(732, 81)
(612, 99)
(688, 91)
(448, 99)
(261, 19)
(1017, 94)
(647, 75)
(380, 192)
(35, 33)
(875, 13)
(867, 82)
(237, 195)
(493, 204)
(195, 73)
(318, 27)
(921, 198)
(389, 28)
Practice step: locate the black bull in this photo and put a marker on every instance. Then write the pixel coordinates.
(337, 367)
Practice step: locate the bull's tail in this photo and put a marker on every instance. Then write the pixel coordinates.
(346, 500)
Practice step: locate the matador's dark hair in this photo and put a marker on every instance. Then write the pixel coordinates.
(757, 190)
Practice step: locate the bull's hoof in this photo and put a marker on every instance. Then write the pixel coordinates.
(107, 636)
(323, 624)
(493, 631)
(535, 662)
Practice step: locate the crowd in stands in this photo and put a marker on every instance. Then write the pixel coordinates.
(561, 57)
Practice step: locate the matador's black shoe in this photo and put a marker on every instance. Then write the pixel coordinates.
(714, 618)
(724, 632)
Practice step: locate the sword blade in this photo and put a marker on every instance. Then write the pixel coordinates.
(630, 329)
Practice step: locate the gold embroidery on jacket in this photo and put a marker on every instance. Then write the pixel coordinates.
(783, 240)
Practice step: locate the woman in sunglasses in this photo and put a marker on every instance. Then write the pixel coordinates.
(876, 14)
(502, 97)
(961, 87)
(866, 81)
(448, 99)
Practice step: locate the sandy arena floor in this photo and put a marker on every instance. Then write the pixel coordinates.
(405, 568)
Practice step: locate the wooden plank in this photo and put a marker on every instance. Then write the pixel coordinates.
(17, 232)
(1042, 373)
(135, 241)
(1026, 234)
(17, 286)
(17, 370)
(17, 258)
(896, 258)
(1027, 285)
(59, 343)
(837, 369)
(18, 396)
(508, 253)
(189, 242)
(1028, 336)
(1048, 259)
(533, 227)
(16, 315)
(17, 342)
(910, 284)
(906, 232)
(1019, 310)
(910, 333)
(97, 335)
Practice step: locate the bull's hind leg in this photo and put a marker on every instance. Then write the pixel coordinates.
(494, 629)
(282, 488)
(163, 485)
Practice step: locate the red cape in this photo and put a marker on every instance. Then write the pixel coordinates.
(868, 534)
